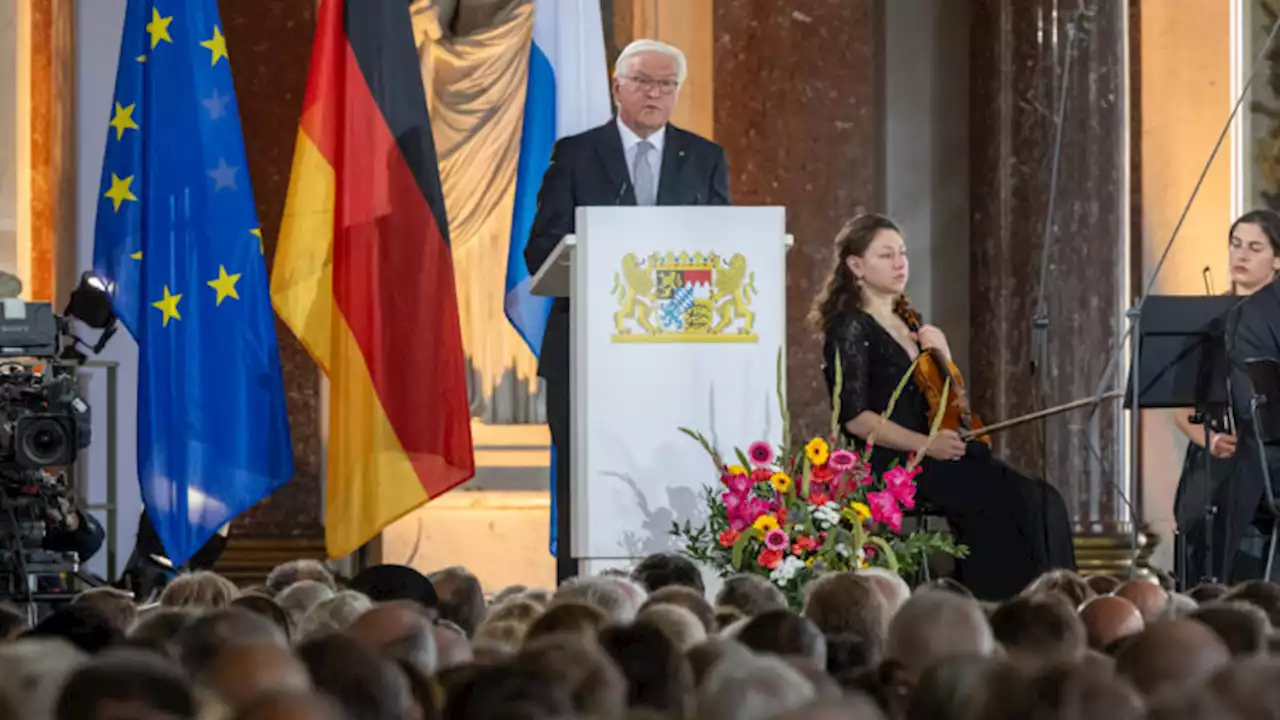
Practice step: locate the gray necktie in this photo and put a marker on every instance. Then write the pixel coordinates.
(646, 188)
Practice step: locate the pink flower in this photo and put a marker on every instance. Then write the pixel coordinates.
(739, 483)
(842, 461)
(885, 510)
(733, 502)
(760, 453)
(901, 484)
(776, 539)
(754, 507)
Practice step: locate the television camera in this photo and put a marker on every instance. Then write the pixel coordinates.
(44, 424)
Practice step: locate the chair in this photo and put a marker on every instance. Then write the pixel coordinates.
(922, 515)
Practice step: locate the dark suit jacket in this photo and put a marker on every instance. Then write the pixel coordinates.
(1254, 332)
(590, 169)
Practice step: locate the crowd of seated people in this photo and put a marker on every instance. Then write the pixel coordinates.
(394, 644)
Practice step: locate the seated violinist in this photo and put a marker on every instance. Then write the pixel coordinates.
(1016, 527)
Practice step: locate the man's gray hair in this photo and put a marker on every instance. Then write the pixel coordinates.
(644, 46)
(619, 598)
(886, 578)
(32, 673)
(333, 615)
(299, 598)
(752, 688)
(418, 648)
(935, 625)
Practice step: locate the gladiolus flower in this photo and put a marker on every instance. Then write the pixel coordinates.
(760, 453)
(885, 510)
(901, 484)
(817, 451)
(739, 484)
(780, 481)
(776, 539)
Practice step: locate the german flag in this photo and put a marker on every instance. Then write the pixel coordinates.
(364, 277)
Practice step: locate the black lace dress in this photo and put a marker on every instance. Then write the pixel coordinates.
(1016, 527)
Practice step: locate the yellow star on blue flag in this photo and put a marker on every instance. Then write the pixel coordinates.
(175, 209)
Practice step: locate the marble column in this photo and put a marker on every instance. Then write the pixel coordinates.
(796, 109)
(1027, 57)
(270, 46)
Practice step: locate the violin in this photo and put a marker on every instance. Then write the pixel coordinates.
(933, 370)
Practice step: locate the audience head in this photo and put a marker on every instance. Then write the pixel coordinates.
(333, 615)
(461, 597)
(1071, 691)
(1150, 599)
(572, 618)
(783, 632)
(453, 647)
(656, 671)
(299, 598)
(946, 584)
(265, 607)
(680, 625)
(200, 642)
(935, 625)
(687, 598)
(498, 640)
(365, 684)
(157, 628)
(242, 673)
(85, 626)
(1070, 586)
(125, 684)
(662, 569)
(959, 687)
(1108, 618)
(296, 571)
(707, 654)
(384, 583)
(117, 605)
(580, 669)
(1207, 593)
(1260, 594)
(891, 586)
(1171, 654)
(1040, 628)
(517, 610)
(1242, 627)
(32, 674)
(508, 691)
(610, 594)
(1246, 688)
(754, 687)
(847, 604)
(200, 590)
(750, 595)
(292, 705)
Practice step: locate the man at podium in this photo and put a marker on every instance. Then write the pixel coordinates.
(639, 158)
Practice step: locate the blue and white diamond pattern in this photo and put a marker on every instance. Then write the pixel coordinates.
(673, 310)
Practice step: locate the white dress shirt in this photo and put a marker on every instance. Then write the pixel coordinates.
(630, 141)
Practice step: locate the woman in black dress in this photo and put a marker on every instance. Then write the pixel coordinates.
(1016, 527)
(1253, 251)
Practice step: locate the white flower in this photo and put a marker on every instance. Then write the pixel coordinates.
(843, 550)
(827, 516)
(786, 570)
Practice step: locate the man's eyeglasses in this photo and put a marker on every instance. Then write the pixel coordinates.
(666, 87)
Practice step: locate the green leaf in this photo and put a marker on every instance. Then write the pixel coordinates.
(887, 551)
(740, 545)
(702, 440)
(804, 478)
(742, 459)
(893, 399)
(780, 389)
(835, 397)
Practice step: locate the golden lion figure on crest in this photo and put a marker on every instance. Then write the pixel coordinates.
(633, 288)
(734, 286)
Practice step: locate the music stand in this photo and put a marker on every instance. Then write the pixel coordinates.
(1180, 361)
(1264, 407)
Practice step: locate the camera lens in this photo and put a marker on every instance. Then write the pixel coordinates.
(43, 441)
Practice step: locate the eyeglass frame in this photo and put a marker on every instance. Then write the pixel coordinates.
(647, 84)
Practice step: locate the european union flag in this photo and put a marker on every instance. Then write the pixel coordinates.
(177, 241)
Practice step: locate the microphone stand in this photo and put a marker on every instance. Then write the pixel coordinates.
(1133, 316)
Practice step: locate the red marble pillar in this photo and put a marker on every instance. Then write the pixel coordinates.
(796, 109)
(1023, 54)
(269, 43)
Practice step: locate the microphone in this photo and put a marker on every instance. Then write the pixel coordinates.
(1208, 280)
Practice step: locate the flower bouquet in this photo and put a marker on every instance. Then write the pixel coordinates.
(789, 516)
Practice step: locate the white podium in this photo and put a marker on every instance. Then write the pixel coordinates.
(678, 318)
